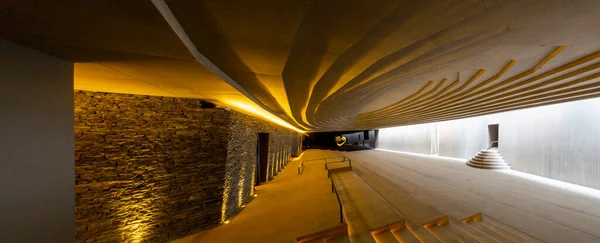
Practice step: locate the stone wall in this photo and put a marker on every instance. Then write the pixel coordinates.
(241, 157)
(155, 169)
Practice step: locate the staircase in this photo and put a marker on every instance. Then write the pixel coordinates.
(336, 234)
(376, 210)
(488, 159)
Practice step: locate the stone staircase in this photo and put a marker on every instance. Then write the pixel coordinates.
(488, 159)
(378, 211)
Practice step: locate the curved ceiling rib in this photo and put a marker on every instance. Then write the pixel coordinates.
(363, 65)
(511, 27)
(327, 29)
(493, 87)
(326, 65)
(466, 92)
(226, 64)
(497, 97)
(389, 36)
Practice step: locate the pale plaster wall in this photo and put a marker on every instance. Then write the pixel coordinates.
(558, 141)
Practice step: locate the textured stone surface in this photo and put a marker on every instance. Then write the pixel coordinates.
(154, 169)
(241, 157)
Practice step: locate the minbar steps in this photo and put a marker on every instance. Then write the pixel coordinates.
(488, 159)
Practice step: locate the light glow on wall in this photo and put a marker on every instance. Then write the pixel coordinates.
(557, 141)
(581, 190)
(139, 223)
(255, 110)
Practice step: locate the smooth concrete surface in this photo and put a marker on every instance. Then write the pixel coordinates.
(558, 141)
(414, 210)
(285, 208)
(37, 181)
(364, 209)
(545, 212)
(325, 65)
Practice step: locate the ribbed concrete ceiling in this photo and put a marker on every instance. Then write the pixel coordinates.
(327, 65)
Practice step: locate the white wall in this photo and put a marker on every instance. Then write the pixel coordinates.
(37, 184)
(415, 138)
(559, 141)
(463, 138)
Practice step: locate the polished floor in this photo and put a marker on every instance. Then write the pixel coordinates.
(286, 208)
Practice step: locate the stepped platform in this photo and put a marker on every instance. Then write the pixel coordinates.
(365, 211)
(513, 209)
(488, 159)
(395, 197)
(414, 210)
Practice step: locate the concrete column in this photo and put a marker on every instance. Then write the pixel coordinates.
(37, 195)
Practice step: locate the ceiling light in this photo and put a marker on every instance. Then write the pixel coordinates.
(262, 113)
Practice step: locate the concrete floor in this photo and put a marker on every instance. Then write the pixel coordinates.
(292, 205)
(286, 208)
(549, 212)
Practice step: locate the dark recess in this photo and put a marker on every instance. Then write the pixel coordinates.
(355, 140)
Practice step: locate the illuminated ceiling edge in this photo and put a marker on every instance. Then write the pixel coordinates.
(525, 96)
(164, 10)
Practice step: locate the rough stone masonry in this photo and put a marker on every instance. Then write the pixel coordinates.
(154, 169)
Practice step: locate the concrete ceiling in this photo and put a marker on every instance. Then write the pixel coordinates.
(326, 65)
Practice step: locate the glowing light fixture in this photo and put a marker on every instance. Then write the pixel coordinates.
(226, 222)
(262, 113)
(300, 157)
(255, 195)
(340, 140)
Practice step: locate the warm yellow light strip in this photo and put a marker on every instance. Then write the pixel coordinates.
(262, 113)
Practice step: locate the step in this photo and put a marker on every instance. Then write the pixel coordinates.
(488, 157)
(489, 153)
(502, 231)
(339, 169)
(486, 165)
(499, 198)
(332, 166)
(488, 160)
(489, 166)
(502, 163)
(364, 210)
(363, 237)
(420, 232)
(413, 210)
(514, 231)
(340, 230)
(490, 232)
(385, 237)
(340, 239)
(442, 235)
(459, 234)
(464, 227)
(405, 236)
(500, 167)
(423, 193)
(316, 240)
